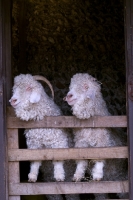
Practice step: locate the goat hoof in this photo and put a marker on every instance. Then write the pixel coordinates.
(97, 177)
(60, 178)
(76, 179)
(32, 177)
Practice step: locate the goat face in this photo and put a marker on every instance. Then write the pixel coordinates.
(83, 87)
(73, 96)
(24, 93)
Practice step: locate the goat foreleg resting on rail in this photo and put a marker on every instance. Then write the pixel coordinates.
(97, 171)
(59, 173)
(34, 170)
(80, 170)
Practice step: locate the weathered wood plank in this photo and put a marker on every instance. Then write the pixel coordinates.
(13, 167)
(69, 122)
(65, 154)
(14, 197)
(68, 187)
(12, 138)
(5, 81)
(128, 22)
(14, 172)
(22, 22)
(10, 111)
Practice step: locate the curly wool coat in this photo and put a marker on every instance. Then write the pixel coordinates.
(31, 102)
(86, 100)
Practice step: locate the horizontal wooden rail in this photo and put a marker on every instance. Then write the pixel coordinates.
(68, 187)
(69, 122)
(66, 154)
(65, 121)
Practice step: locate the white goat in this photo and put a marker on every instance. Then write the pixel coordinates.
(86, 100)
(31, 102)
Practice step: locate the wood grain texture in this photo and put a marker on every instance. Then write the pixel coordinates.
(12, 138)
(128, 23)
(13, 167)
(66, 154)
(68, 187)
(5, 86)
(69, 122)
(14, 197)
(22, 28)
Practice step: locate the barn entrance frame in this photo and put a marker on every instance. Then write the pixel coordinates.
(6, 83)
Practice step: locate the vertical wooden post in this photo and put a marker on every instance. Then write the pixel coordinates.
(8, 59)
(14, 175)
(22, 68)
(129, 78)
(5, 67)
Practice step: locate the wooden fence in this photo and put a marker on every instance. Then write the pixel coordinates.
(15, 155)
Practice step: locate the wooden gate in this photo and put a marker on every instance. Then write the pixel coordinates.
(15, 155)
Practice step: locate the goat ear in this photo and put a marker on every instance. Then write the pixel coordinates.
(91, 93)
(35, 97)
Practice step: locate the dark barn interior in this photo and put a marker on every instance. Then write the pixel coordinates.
(58, 39)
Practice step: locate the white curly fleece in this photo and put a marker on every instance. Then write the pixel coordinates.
(33, 111)
(90, 100)
(32, 103)
(86, 100)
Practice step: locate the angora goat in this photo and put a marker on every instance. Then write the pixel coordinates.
(86, 100)
(31, 102)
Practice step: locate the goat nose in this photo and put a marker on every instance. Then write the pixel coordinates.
(69, 96)
(12, 101)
